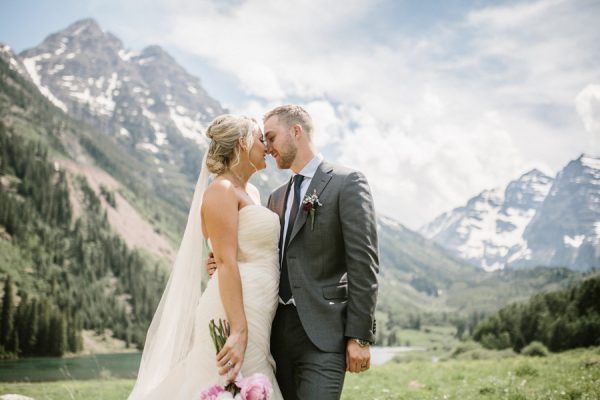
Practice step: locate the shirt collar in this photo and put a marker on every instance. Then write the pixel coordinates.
(310, 169)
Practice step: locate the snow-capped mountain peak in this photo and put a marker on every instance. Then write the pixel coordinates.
(145, 99)
(566, 229)
(488, 230)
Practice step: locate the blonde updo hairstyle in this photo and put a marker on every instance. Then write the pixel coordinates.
(224, 133)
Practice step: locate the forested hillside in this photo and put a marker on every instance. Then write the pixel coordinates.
(62, 271)
(561, 320)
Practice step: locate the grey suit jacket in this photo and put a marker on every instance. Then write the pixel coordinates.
(333, 267)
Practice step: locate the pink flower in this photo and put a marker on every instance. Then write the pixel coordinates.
(255, 387)
(212, 393)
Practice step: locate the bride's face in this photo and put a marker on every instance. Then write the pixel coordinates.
(258, 151)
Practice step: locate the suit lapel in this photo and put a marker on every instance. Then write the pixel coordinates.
(318, 183)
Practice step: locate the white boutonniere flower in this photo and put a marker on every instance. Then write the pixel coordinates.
(310, 205)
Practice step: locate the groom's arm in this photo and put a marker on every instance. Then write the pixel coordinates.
(359, 231)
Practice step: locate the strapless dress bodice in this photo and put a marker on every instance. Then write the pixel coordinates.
(258, 235)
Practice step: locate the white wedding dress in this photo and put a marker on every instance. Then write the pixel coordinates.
(258, 237)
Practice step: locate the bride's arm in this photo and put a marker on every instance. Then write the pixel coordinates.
(220, 215)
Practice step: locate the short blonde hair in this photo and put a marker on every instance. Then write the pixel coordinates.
(291, 114)
(224, 133)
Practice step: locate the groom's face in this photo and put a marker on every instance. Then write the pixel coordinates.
(280, 142)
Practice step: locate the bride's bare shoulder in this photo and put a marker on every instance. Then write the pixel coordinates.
(220, 191)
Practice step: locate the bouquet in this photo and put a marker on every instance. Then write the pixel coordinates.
(255, 387)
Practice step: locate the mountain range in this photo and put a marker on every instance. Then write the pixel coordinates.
(535, 220)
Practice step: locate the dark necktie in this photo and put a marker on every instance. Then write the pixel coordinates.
(285, 290)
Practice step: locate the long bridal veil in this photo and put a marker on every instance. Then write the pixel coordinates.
(169, 338)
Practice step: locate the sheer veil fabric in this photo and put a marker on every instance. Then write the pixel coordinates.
(170, 336)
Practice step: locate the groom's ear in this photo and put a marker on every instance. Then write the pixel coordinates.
(297, 131)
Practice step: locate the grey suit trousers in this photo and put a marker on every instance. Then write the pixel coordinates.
(303, 371)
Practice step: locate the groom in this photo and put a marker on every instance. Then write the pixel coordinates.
(329, 263)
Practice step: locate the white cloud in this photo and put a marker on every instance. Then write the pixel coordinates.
(432, 117)
(588, 107)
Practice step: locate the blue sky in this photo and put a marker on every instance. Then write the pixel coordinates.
(434, 101)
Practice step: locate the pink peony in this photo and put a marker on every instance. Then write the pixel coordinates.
(212, 393)
(255, 387)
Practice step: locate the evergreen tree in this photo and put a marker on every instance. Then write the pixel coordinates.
(6, 326)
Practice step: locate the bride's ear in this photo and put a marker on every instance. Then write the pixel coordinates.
(242, 143)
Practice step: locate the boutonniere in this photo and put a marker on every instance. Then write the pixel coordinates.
(310, 205)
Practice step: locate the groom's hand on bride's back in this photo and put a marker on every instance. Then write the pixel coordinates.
(211, 265)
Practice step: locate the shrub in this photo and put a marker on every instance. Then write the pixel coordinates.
(535, 349)
(526, 370)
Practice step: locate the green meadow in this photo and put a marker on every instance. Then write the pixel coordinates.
(468, 372)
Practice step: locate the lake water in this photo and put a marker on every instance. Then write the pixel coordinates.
(121, 365)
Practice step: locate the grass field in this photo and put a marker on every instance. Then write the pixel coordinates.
(495, 375)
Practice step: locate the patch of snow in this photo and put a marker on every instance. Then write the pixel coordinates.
(188, 127)
(192, 90)
(79, 30)
(144, 61)
(493, 267)
(124, 132)
(484, 236)
(14, 65)
(159, 133)
(441, 223)
(127, 55)
(100, 82)
(148, 146)
(161, 137)
(61, 49)
(55, 69)
(32, 68)
(83, 97)
(576, 241)
(101, 103)
(590, 162)
(523, 252)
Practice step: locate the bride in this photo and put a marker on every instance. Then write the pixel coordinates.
(179, 359)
